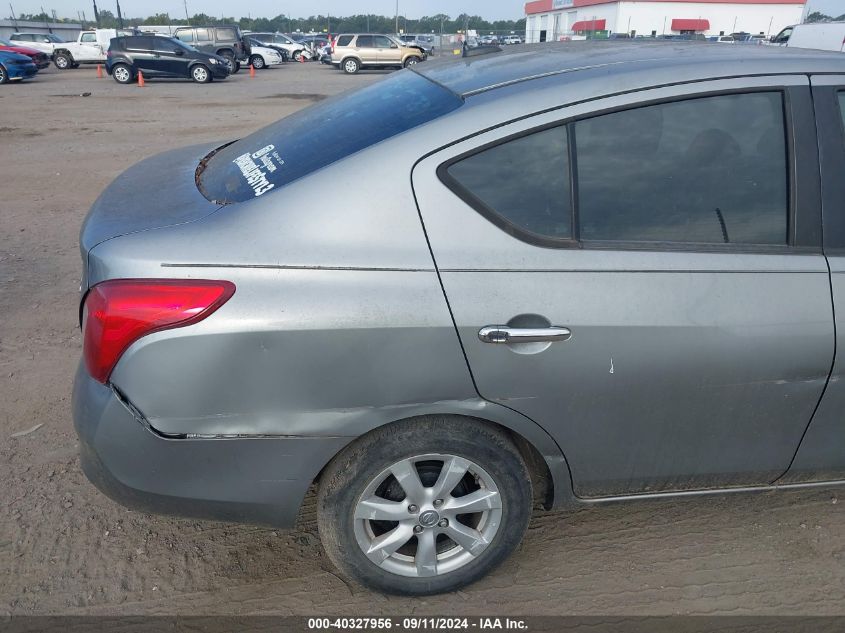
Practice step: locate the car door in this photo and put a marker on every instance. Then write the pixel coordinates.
(387, 51)
(89, 47)
(821, 456)
(642, 276)
(141, 51)
(169, 58)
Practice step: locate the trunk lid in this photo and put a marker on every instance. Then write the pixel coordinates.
(157, 192)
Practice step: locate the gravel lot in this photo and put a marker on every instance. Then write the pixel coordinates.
(65, 548)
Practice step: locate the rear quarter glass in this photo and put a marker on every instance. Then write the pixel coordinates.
(323, 134)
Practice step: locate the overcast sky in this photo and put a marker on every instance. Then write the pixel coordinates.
(489, 9)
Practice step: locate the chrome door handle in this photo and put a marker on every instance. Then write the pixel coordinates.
(500, 334)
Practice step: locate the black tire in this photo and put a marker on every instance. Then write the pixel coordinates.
(237, 67)
(297, 55)
(74, 65)
(230, 61)
(200, 74)
(411, 61)
(257, 62)
(4, 75)
(63, 61)
(122, 74)
(359, 468)
(350, 65)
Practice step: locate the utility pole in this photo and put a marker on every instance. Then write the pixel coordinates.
(46, 23)
(186, 11)
(119, 15)
(14, 16)
(96, 14)
(397, 17)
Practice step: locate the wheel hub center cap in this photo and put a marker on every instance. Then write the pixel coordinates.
(429, 518)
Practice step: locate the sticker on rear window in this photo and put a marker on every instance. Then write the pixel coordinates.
(256, 172)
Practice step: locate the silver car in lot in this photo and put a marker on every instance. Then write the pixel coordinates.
(564, 275)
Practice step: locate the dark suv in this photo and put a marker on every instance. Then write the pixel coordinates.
(155, 55)
(226, 41)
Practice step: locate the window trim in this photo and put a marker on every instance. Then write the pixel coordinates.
(535, 239)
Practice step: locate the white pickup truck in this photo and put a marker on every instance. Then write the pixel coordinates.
(90, 47)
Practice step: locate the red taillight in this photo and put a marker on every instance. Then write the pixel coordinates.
(119, 312)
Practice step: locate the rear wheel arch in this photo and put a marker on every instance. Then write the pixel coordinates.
(545, 461)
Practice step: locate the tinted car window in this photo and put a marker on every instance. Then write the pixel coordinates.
(322, 134)
(382, 41)
(167, 45)
(364, 41)
(344, 40)
(202, 35)
(140, 43)
(226, 34)
(524, 181)
(706, 170)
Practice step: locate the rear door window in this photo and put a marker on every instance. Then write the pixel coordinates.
(708, 170)
(320, 135)
(226, 34)
(140, 43)
(365, 41)
(382, 42)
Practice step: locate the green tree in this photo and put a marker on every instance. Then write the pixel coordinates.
(817, 16)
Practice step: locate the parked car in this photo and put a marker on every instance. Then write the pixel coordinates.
(44, 42)
(295, 50)
(425, 43)
(89, 48)
(222, 41)
(722, 39)
(159, 56)
(41, 60)
(15, 67)
(670, 331)
(826, 36)
(512, 39)
(262, 56)
(488, 40)
(352, 52)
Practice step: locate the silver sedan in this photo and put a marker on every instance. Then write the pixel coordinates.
(560, 275)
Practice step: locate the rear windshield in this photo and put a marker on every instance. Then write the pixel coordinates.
(320, 135)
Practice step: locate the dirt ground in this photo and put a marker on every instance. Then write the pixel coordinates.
(66, 549)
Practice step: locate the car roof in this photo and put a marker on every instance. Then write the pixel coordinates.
(666, 61)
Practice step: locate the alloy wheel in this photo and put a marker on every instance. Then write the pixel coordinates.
(122, 75)
(428, 515)
(200, 74)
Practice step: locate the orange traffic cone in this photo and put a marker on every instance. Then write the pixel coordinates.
(99, 71)
(251, 70)
(140, 79)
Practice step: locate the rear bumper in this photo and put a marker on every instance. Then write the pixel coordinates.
(247, 480)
